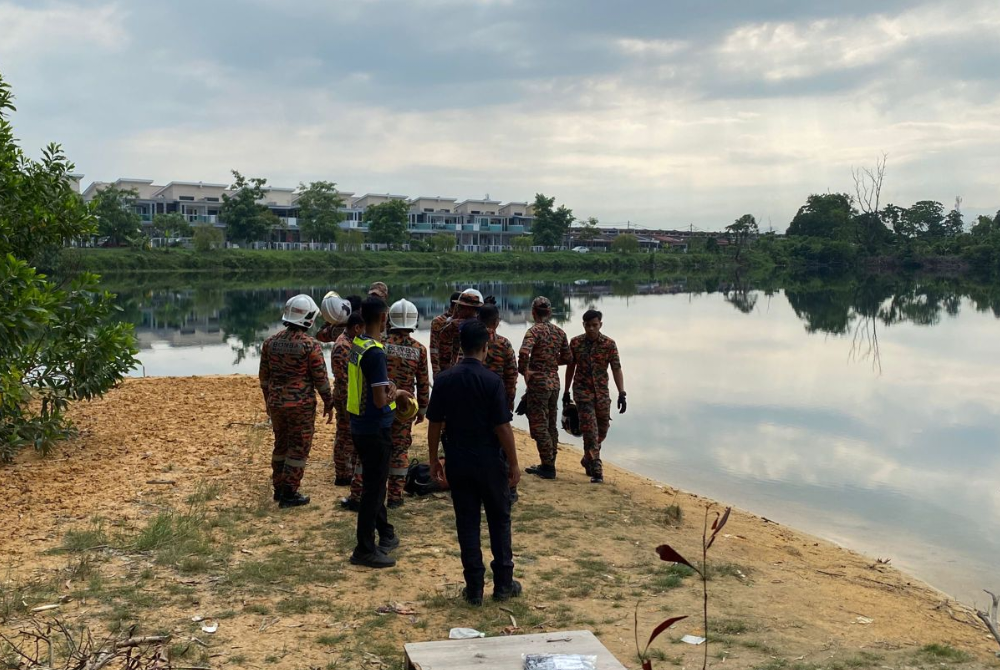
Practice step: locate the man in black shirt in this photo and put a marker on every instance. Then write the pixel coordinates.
(469, 404)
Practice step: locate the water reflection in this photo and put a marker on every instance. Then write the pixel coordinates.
(863, 409)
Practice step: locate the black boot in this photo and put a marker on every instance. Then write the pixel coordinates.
(507, 592)
(290, 498)
(342, 481)
(543, 471)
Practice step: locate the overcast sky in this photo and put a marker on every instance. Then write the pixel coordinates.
(662, 112)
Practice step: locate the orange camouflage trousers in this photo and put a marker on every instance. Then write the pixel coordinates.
(293, 434)
(399, 462)
(343, 445)
(543, 415)
(595, 420)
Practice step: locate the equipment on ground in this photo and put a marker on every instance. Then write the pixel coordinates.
(418, 479)
(403, 314)
(335, 309)
(300, 310)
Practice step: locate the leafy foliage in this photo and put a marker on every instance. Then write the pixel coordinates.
(590, 231)
(57, 342)
(352, 241)
(172, 224)
(550, 225)
(523, 242)
(741, 232)
(246, 220)
(625, 243)
(207, 237)
(319, 211)
(442, 242)
(387, 223)
(117, 219)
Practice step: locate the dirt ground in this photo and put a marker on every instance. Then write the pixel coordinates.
(160, 511)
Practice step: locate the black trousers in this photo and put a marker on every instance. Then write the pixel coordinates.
(478, 480)
(374, 451)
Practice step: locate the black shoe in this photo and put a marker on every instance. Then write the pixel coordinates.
(342, 481)
(292, 499)
(597, 479)
(506, 593)
(543, 471)
(474, 598)
(533, 469)
(586, 467)
(277, 494)
(514, 497)
(350, 504)
(394, 504)
(376, 560)
(387, 544)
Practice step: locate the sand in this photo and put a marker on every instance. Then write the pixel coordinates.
(279, 584)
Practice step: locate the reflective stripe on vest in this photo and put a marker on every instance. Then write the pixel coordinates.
(355, 378)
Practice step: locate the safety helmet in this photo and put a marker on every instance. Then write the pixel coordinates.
(470, 298)
(335, 309)
(403, 314)
(300, 310)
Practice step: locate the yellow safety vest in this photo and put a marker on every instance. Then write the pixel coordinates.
(355, 379)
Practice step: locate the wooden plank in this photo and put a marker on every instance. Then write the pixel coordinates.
(504, 653)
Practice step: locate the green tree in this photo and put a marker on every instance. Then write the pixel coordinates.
(58, 342)
(589, 231)
(741, 232)
(207, 237)
(829, 215)
(173, 224)
(319, 211)
(984, 226)
(117, 219)
(625, 244)
(245, 219)
(387, 223)
(550, 225)
(926, 219)
(954, 224)
(522, 243)
(442, 242)
(352, 240)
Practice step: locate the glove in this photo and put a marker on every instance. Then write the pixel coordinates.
(522, 407)
(622, 404)
(567, 400)
(490, 300)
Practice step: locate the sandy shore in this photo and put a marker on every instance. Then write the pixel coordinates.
(185, 453)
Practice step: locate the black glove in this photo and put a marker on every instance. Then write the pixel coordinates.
(622, 404)
(522, 407)
(567, 400)
(490, 300)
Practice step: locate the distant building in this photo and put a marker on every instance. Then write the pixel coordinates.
(477, 225)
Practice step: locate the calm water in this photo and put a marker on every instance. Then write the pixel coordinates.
(863, 412)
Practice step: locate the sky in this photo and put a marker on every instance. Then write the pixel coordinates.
(659, 113)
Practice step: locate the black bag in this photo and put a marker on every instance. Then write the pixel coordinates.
(571, 420)
(522, 407)
(418, 479)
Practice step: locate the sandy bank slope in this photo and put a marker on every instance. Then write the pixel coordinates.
(584, 553)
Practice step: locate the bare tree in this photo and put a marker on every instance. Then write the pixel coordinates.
(868, 184)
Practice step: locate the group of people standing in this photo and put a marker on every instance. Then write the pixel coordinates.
(382, 387)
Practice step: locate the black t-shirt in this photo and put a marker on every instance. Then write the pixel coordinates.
(471, 401)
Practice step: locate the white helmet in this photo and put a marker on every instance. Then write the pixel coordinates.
(300, 310)
(335, 309)
(403, 314)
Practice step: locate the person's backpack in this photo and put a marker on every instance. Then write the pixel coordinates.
(418, 479)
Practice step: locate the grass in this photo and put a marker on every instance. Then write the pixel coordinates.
(943, 653)
(671, 576)
(76, 541)
(673, 516)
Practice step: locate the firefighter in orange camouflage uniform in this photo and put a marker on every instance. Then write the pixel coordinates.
(543, 350)
(437, 325)
(343, 446)
(587, 374)
(406, 363)
(292, 371)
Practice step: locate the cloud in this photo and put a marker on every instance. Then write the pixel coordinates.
(661, 114)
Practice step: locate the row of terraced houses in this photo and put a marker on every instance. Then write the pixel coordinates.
(478, 225)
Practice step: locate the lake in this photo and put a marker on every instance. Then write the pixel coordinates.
(864, 411)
